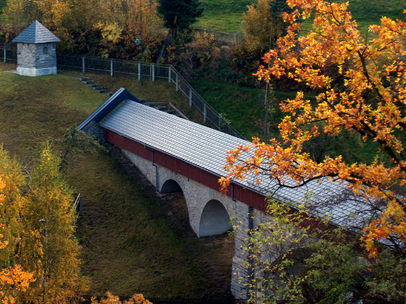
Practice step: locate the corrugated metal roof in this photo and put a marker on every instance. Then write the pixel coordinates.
(207, 148)
(36, 33)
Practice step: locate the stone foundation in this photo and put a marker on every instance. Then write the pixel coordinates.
(33, 72)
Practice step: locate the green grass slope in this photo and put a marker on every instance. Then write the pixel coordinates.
(226, 16)
(36, 109)
(128, 243)
(243, 107)
(223, 15)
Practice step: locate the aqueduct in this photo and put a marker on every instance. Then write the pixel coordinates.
(176, 154)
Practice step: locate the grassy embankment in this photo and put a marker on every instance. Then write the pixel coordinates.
(226, 16)
(128, 244)
(223, 15)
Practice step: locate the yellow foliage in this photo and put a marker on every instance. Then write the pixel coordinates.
(136, 299)
(260, 26)
(13, 280)
(76, 22)
(37, 230)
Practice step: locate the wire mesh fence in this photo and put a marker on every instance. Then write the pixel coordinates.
(8, 55)
(136, 70)
(225, 37)
(69, 62)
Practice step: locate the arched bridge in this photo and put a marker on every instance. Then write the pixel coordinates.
(176, 154)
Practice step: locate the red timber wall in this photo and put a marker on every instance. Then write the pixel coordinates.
(241, 194)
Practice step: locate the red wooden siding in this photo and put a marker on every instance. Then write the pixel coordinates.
(249, 197)
(201, 176)
(127, 144)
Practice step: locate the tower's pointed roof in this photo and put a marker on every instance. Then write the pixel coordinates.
(36, 33)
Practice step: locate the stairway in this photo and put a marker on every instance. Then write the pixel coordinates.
(161, 106)
(90, 83)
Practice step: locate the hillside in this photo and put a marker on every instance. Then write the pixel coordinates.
(132, 240)
(223, 15)
(226, 16)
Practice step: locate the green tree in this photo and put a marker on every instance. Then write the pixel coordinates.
(298, 263)
(179, 15)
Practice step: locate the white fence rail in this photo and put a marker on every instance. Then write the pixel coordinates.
(150, 71)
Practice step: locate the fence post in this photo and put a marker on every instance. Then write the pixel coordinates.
(5, 55)
(83, 65)
(80, 206)
(258, 291)
(204, 113)
(139, 71)
(111, 68)
(170, 74)
(235, 39)
(177, 82)
(152, 71)
(190, 97)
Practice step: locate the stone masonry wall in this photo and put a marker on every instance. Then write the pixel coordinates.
(197, 196)
(32, 55)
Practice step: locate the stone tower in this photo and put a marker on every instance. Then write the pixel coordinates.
(36, 51)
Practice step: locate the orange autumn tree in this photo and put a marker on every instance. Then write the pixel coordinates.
(39, 254)
(111, 299)
(13, 280)
(370, 100)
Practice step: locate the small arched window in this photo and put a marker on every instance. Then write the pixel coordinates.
(45, 50)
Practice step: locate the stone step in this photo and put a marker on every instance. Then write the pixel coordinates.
(91, 84)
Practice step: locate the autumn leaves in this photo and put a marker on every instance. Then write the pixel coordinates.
(39, 254)
(370, 100)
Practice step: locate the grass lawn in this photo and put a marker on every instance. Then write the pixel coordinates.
(36, 109)
(160, 91)
(223, 15)
(127, 243)
(243, 107)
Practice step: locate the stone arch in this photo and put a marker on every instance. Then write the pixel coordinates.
(214, 219)
(171, 186)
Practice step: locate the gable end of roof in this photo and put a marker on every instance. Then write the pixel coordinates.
(102, 111)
